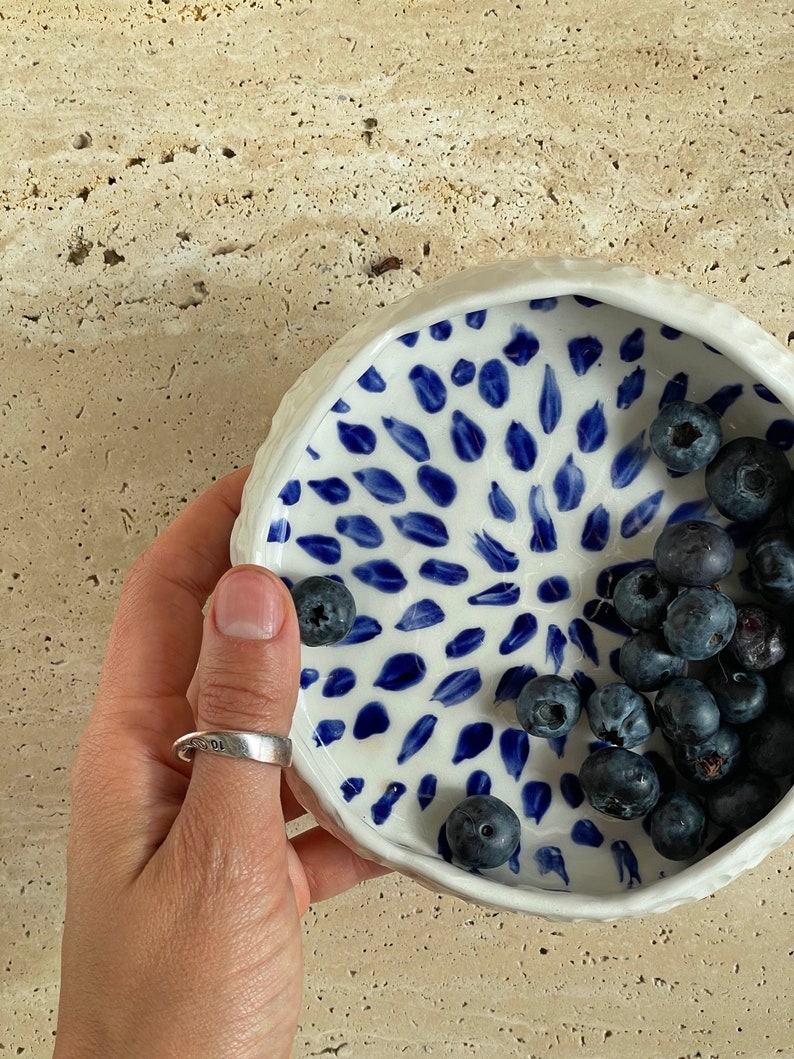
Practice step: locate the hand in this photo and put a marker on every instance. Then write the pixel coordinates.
(184, 896)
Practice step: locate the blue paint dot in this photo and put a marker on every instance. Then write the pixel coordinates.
(372, 719)
(463, 372)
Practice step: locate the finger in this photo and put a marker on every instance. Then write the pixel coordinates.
(248, 681)
(322, 867)
(290, 806)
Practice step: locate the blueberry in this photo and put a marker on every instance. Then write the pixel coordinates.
(685, 436)
(642, 596)
(741, 801)
(784, 683)
(771, 559)
(620, 714)
(770, 744)
(678, 825)
(326, 610)
(712, 760)
(741, 696)
(692, 553)
(482, 831)
(699, 623)
(760, 640)
(548, 706)
(647, 663)
(686, 711)
(619, 783)
(747, 479)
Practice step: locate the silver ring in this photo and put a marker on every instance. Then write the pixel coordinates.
(270, 749)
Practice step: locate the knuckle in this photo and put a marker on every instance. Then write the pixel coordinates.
(226, 700)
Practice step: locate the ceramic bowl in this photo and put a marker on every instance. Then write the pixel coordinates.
(473, 462)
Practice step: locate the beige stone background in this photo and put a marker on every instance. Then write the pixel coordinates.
(192, 196)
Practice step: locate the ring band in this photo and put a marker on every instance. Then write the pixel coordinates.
(269, 749)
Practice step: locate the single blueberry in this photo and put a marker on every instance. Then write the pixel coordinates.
(482, 831)
(741, 696)
(771, 560)
(686, 711)
(647, 663)
(770, 744)
(712, 760)
(678, 825)
(326, 610)
(748, 479)
(619, 783)
(695, 552)
(620, 715)
(548, 706)
(685, 436)
(642, 597)
(760, 640)
(741, 801)
(699, 623)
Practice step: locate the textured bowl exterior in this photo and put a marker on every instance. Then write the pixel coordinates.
(301, 412)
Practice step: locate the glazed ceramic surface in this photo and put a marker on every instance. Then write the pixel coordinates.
(474, 465)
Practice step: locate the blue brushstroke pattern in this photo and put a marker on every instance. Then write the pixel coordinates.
(360, 529)
(765, 393)
(554, 589)
(520, 446)
(584, 683)
(381, 484)
(493, 384)
(607, 578)
(372, 381)
(437, 484)
(524, 627)
(550, 404)
(632, 346)
(500, 504)
(499, 558)
(630, 388)
(640, 515)
(308, 677)
(595, 534)
(279, 531)
(722, 400)
(424, 529)
(543, 305)
(511, 682)
(382, 574)
(457, 687)
(332, 490)
(328, 732)
(522, 347)
(351, 787)
(420, 615)
(291, 493)
(670, 333)
(689, 509)
(418, 735)
(580, 634)
(601, 612)
(381, 810)
(463, 372)
(585, 833)
(472, 740)
(629, 461)
(372, 719)
(443, 572)
(584, 352)
(535, 799)
(431, 393)
(502, 594)
(626, 862)
(584, 300)
(357, 438)
(780, 433)
(339, 682)
(591, 429)
(410, 439)
(476, 319)
(426, 791)
(364, 628)
(401, 671)
(556, 641)
(557, 744)
(441, 331)
(568, 485)
(410, 339)
(479, 782)
(468, 439)
(544, 535)
(324, 549)
(514, 748)
(550, 859)
(675, 389)
(571, 789)
(465, 642)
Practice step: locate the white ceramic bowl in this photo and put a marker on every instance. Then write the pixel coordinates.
(472, 462)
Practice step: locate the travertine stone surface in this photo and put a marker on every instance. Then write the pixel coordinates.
(192, 196)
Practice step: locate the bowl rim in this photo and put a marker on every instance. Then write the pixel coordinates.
(484, 287)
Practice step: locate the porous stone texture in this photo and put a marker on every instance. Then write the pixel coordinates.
(192, 199)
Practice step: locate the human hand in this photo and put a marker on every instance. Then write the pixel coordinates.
(182, 934)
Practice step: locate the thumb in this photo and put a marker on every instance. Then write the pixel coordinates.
(248, 679)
